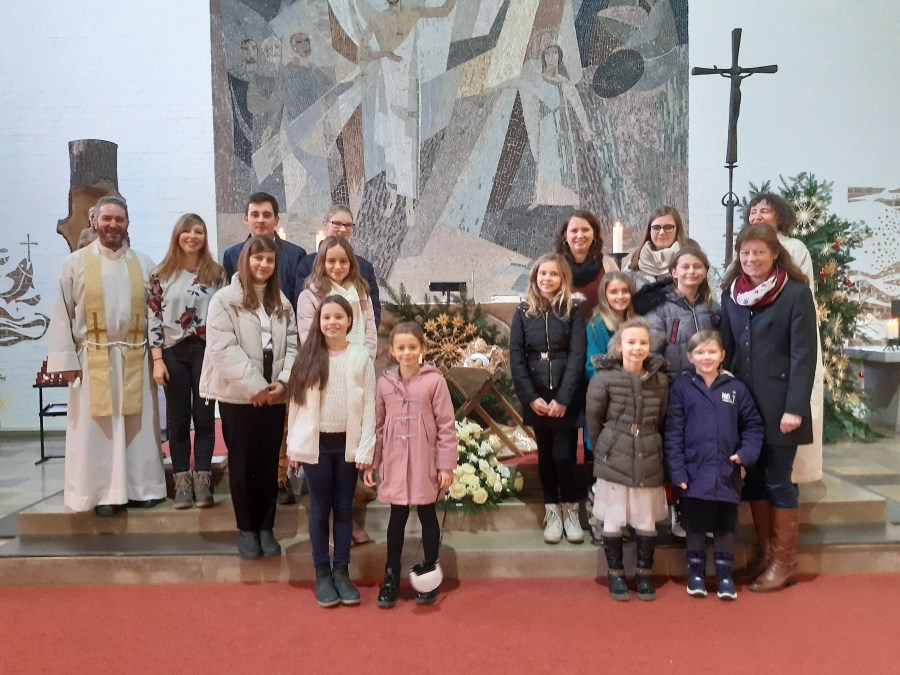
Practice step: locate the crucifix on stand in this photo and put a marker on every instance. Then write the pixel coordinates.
(736, 74)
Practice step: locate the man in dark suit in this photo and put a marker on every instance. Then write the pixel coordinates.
(261, 218)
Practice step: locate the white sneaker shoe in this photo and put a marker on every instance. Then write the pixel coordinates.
(677, 530)
(572, 524)
(553, 527)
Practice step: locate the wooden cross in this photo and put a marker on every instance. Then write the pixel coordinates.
(736, 74)
(29, 244)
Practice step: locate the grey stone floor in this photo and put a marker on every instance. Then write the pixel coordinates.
(22, 483)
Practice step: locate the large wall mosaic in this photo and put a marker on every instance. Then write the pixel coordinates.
(461, 132)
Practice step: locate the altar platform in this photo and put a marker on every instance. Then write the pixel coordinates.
(850, 524)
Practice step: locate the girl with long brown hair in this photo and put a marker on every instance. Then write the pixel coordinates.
(251, 345)
(331, 434)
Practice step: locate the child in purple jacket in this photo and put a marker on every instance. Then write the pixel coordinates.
(713, 427)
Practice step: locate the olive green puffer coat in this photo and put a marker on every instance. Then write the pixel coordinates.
(625, 414)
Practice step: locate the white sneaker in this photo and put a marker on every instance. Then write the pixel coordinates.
(677, 530)
(553, 527)
(572, 524)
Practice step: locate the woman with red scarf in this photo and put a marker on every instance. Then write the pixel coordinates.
(769, 331)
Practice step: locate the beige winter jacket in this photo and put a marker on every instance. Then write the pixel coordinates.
(233, 362)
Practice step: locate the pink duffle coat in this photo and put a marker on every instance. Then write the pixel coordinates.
(415, 436)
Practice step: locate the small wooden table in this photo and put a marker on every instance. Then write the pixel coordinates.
(476, 383)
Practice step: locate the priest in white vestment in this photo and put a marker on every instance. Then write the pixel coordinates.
(98, 341)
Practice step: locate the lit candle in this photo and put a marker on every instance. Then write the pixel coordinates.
(320, 237)
(282, 233)
(893, 329)
(618, 232)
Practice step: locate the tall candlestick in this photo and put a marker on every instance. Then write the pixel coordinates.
(893, 329)
(618, 233)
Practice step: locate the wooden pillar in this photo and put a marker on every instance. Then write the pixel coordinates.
(93, 174)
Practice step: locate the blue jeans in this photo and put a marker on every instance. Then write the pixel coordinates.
(331, 485)
(184, 361)
(770, 478)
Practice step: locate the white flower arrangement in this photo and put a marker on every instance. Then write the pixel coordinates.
(480, 480)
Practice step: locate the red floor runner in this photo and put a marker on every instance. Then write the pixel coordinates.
(831, 624)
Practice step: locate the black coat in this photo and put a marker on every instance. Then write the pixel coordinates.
(773, 351)
(546, 359)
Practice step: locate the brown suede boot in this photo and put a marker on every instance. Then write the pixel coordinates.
(782, 570)
(762, 523)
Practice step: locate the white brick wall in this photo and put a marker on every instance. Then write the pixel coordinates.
(831, 109)
(138, 74)
(135, 73)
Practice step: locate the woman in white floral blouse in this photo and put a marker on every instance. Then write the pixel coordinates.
(181, 287)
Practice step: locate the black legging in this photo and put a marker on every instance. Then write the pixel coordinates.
(557, 452)
(431, 533)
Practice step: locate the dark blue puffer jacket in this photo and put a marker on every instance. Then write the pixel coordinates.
(704, 427)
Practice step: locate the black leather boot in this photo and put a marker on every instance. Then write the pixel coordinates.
(387, 594)
(618, 589)
(643, 576)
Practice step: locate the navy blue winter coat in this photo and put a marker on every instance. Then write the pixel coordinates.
(704, 427)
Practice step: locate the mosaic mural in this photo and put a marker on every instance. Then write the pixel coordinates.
(461, 132)
(19, 321)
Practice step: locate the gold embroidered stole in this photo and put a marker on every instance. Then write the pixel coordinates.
(97, 343)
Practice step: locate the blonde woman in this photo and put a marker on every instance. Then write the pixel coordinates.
(181, 287)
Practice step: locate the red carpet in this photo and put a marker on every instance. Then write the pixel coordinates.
(831, 624)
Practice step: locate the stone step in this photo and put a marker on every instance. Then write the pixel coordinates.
(204, 558)
(832, 501)
(50, 518)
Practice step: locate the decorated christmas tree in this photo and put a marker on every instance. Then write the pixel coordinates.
(831, 241)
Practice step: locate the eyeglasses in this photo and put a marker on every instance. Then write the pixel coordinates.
(662, 228)
(338, 225)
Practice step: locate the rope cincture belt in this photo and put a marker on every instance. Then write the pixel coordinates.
(97, 347)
